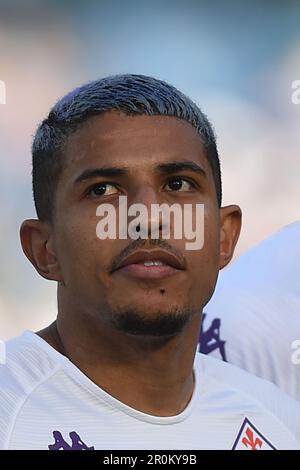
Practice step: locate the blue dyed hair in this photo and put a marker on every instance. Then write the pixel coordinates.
(130, 94)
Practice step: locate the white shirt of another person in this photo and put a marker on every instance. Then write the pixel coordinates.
(253, 318)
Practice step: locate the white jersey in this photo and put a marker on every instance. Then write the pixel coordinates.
(253, 318)
(46, 402)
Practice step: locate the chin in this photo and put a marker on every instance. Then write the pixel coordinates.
(156, 322)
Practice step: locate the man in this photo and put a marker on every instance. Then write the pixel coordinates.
(117, 369)
(257, 307)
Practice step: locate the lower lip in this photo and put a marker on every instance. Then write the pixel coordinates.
(149, 272)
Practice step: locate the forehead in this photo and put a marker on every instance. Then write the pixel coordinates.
(115, 138)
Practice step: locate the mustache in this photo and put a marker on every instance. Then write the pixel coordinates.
(146, 244)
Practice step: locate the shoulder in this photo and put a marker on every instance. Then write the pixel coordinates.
(257, 304)
(272, 261)
(26, 365)
(259, 394)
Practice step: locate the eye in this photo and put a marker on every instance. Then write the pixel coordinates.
(102, 189)
(179, 184)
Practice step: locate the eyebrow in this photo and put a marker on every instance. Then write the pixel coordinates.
(96, 172)
(168, 168)
(164, 168)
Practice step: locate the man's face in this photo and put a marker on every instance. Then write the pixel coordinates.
(98, 276)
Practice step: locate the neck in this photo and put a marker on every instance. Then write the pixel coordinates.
(152, 375)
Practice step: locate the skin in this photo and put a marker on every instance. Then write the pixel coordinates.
(150, 373)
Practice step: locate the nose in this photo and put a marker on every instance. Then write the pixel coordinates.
(146, 204)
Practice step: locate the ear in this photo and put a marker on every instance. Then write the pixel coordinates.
(231, 221)
(37, 243)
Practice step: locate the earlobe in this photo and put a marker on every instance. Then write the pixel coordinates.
(37, 244)
(231, 220)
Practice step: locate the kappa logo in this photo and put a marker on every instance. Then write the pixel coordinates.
(250, 438)
(76, 442)
(210, 338)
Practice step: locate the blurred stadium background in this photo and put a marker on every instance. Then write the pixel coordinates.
(236, 59)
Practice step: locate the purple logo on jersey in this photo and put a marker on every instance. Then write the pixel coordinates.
(210, 339)
(76, 442)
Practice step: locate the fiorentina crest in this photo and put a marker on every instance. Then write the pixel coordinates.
(250, 438)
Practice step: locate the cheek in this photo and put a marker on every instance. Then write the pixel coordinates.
(204, 263)
(80, 251)
(211, 245)
(208, 255)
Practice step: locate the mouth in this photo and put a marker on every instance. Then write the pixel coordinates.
(151, 264)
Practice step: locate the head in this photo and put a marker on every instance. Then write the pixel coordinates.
(133, 136)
